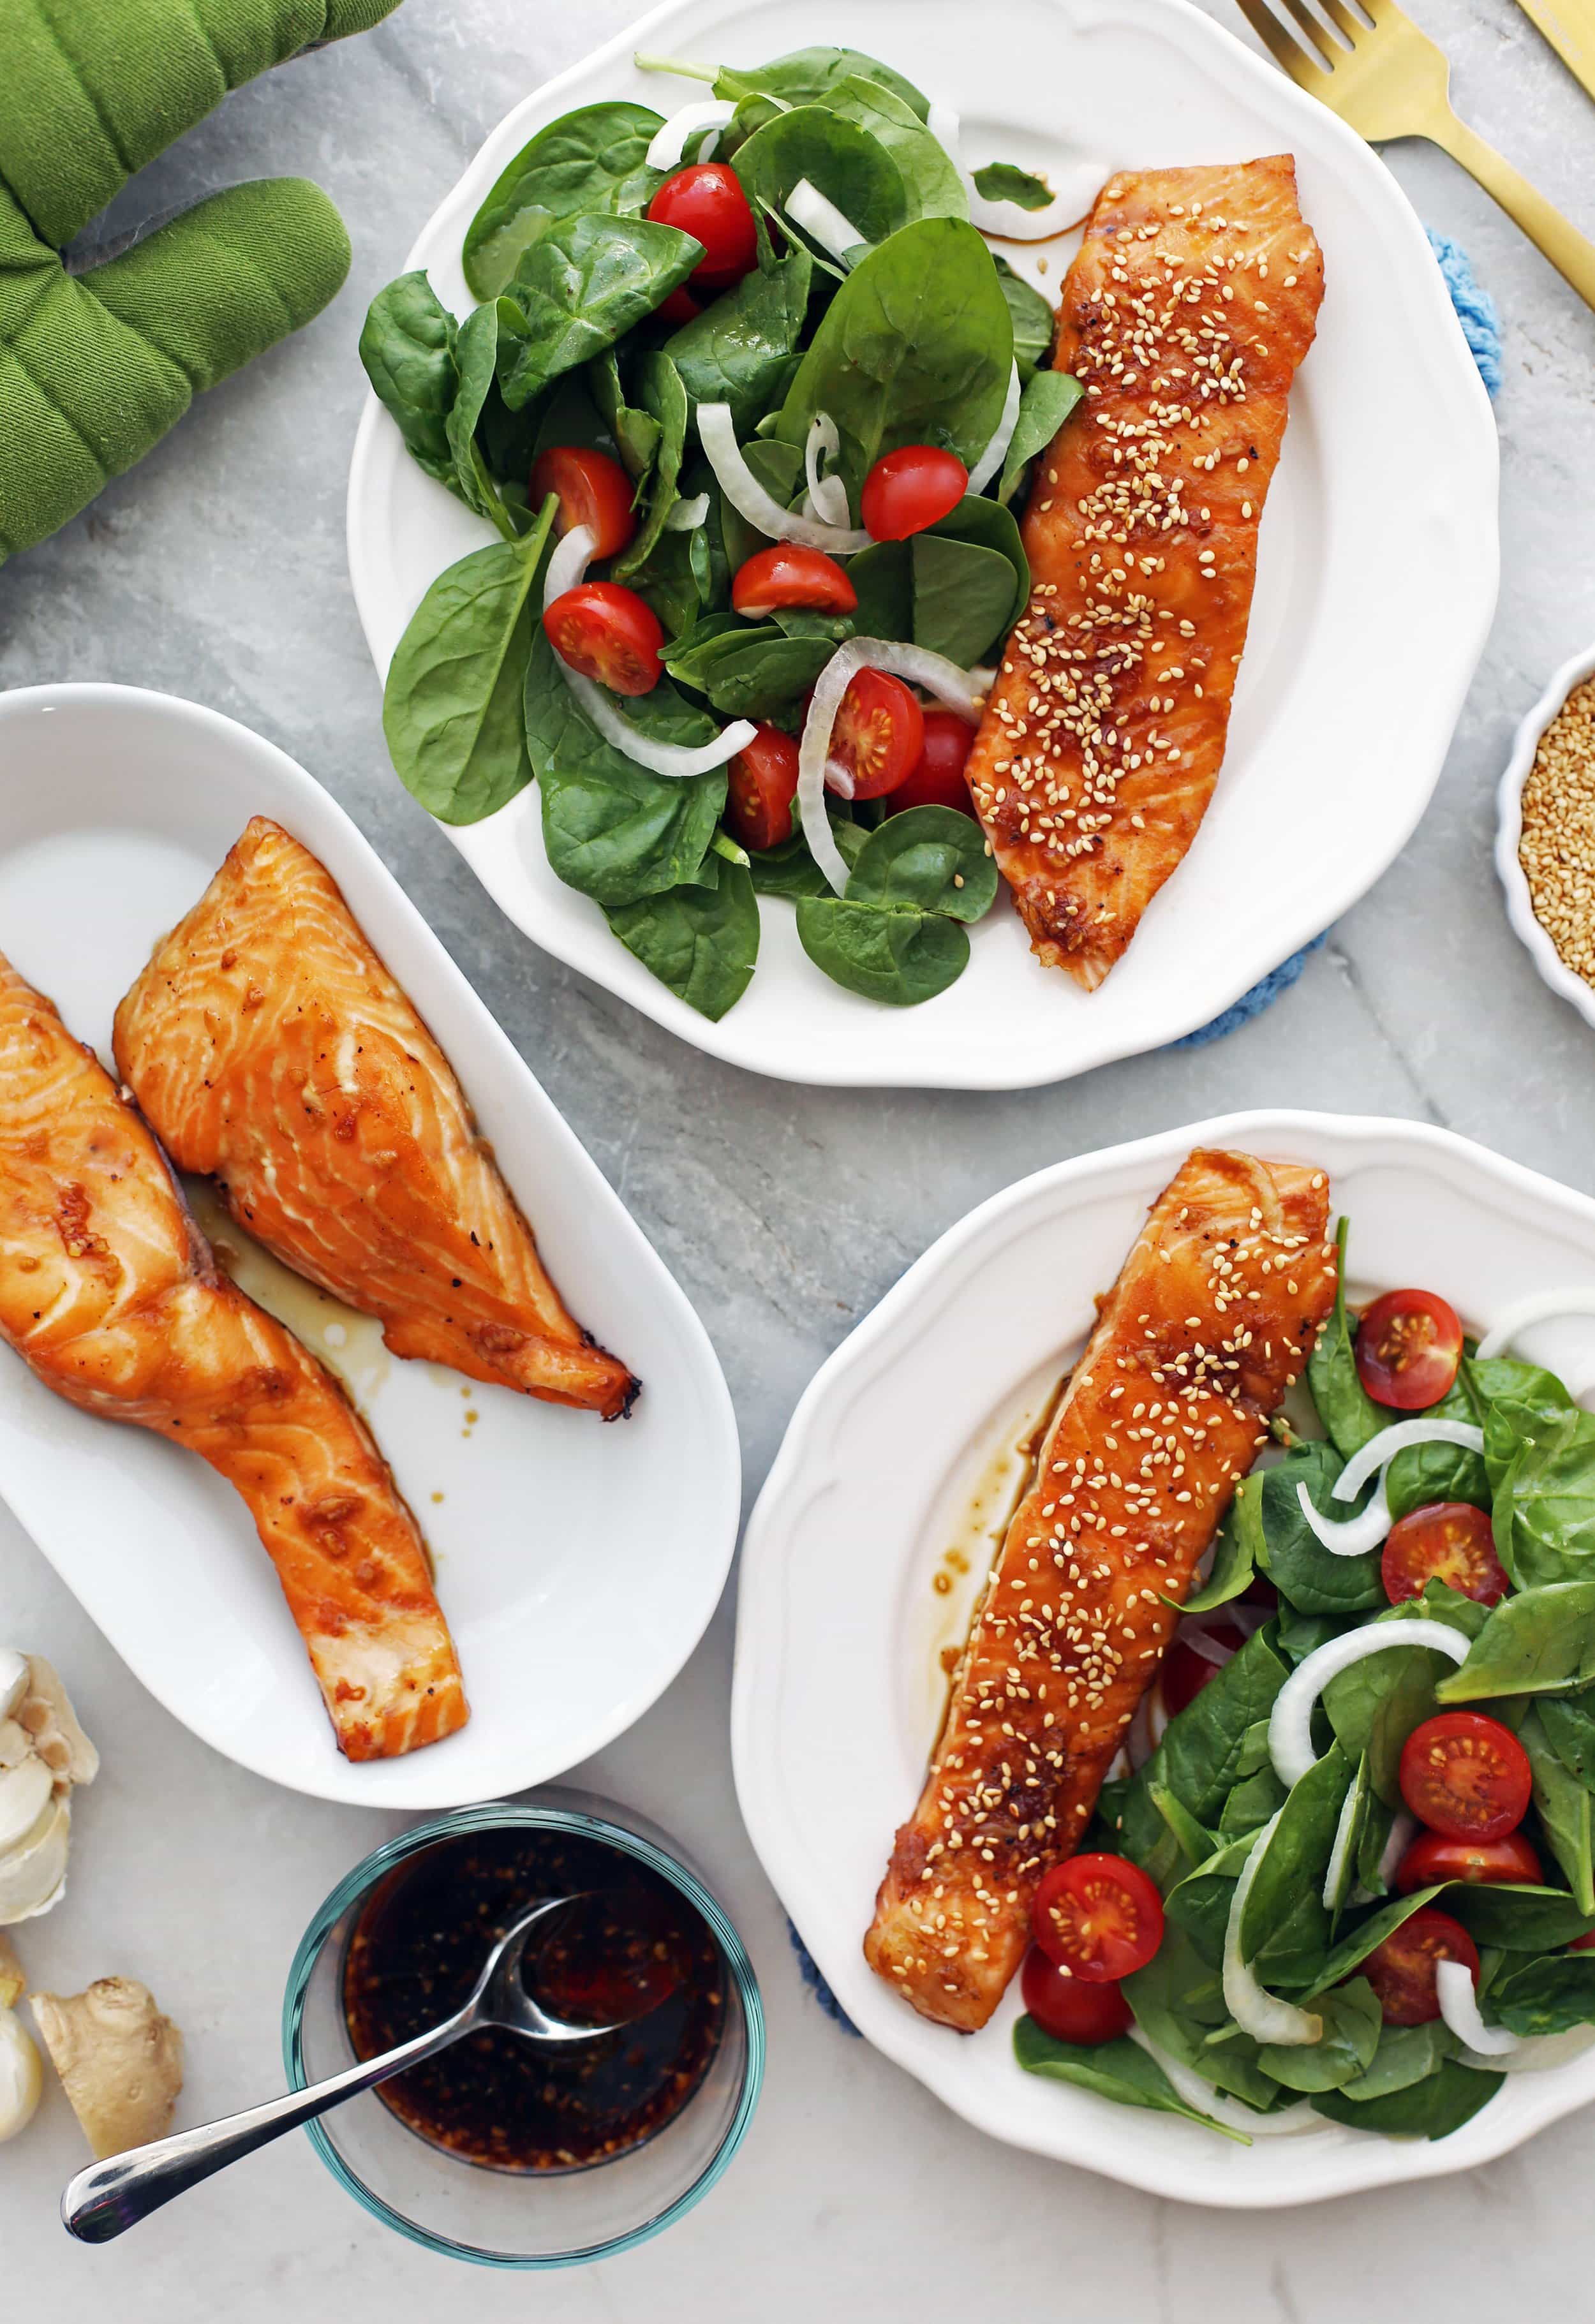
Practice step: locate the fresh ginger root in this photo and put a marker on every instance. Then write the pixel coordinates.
(120, 2062)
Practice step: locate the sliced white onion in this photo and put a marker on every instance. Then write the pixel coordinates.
(1343, 1841)
(687, 515)
(1195, 1634)
(1352, 1536)
(1535, 2052)
(1266, 2016)
(827, 495)
(996, 451)
(1459, 2006)
(834, 231)
(566, 568)
(1403, 1831)
(747, 495)
(669, 142)
(1068, 206)
(1189, 2086)
(963, 690)
(1381, 1450)
(1290, 1722)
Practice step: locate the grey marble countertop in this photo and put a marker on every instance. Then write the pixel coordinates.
(217, 571)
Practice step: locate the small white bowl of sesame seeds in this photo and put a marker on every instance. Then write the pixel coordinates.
(1545, 837)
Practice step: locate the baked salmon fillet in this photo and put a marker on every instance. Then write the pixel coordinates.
(271, 1050)
(1192, 299)
(109, 1292)
(1212, 1320)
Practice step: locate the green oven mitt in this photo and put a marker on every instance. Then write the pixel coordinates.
(95, 368)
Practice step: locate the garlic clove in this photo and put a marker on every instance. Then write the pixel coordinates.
(21, 2075)
(25, 1792)
(15, 1743)
(34, 1874)
(14, 1983)
(48, 1716)
(15, 1680)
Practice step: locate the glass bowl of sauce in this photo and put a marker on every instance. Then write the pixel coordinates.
(499, 2150)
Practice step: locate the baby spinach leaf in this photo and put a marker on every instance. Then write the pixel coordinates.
(963, 596)
(1375, 1705)
(1002, 181)
(591, 160)
(845, 163)
(664, 398)
(1518, 1919)
(1162, 1997)
(788, 868)
(1424, 1473)
(1034, 321)
(569, 415)
(927, 859)
(779, 469)
(1296, 1854)
(1541, 1455)
(481, 337)
(1548, 1995)
(883, 577)
(1230, 1574)
(635, 432)
(1350, 1951)
(1370, 1848)
(903, 958)
(451, 706)
(916, 348)
(747, 672)
(582, 286)
(930, 178)
(987, 526)
(702, 940)
(1338, 1895)
(1119, 2069)
(1405, 2054)
(1195, 1843)
(1203, 1749)
(407, 346)
(807, 77)
(1047, 402)
(1200, 1901)
(1301, 1635)
(1313, 1578)
(1569, 1721)
(1351, 2024)
(1431, 2108)
(1255, 1798)
(1343, 1405)
(1564, 1809)
(611, 829)
(1538, 1642)
(737, 351)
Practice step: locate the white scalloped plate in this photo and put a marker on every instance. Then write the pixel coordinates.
(838, 1690)
(579, 1563)
(1375, 582)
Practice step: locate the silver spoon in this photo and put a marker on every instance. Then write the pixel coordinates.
(113, 2196)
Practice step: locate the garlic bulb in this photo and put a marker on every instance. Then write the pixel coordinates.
(43, 1753)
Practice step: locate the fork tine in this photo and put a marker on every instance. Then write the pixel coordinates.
(1320, 42)
(1285, 50)
(1345, 23)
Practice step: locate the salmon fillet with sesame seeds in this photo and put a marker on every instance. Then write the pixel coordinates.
(110, 1294)
(1192, 299)
(1210, 1321)
(270, 1049)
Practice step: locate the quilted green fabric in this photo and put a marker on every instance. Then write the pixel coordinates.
(95, 368)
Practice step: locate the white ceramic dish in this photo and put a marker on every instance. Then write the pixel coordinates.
(579, 1563)
(1509, 833)
(1375, 588)
(839, 1690)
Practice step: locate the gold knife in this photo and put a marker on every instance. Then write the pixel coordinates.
(1569, 27)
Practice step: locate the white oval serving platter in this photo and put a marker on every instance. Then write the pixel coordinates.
(865, 1519)
(578, 1563)
(1375, 582)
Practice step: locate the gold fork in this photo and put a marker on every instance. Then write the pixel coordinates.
(1391, 80)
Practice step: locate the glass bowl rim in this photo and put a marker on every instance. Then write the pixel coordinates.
(579, 1823)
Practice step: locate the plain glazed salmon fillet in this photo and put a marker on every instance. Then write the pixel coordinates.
(270, 1049)
(1192, 301)
(109, 1292)
(1212, 1320)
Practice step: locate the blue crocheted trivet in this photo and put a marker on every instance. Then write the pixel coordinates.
(1481, 327)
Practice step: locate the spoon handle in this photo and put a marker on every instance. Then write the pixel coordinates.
(113, 2196)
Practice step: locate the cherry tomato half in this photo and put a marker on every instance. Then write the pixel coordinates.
(608, 633)
(936, 777)
(1409, 1344)
(679, 308)
(1097, 1916)
(1432, 1858)
(1401, 1970)
(909, 489)
(1444, 1541)
(1185, 1671)
(878, 736)
(787, 576)
(1584, 1944)
(706, 200)
(1466, 1775)
(1067, 2008)
(761, 783)
(594, 490)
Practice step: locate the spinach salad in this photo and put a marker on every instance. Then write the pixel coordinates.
(1353, 1874)
(750, 405)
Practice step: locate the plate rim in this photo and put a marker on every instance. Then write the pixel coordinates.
(722, 1465)
(1374, 2161)
(1443, 702)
